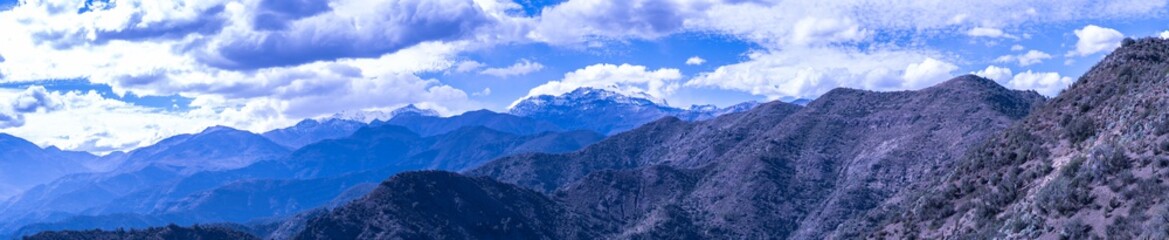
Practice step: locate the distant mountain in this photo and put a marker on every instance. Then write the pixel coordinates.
(1089, 165)
(371, 116)
(606, 111)
(170, 160)
(340, 125)
(311, 130)
(24, 164)
(776, 171)
(327, 173)
(432, 125)
(216, 148)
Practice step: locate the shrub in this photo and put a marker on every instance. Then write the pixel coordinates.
(1080, 129)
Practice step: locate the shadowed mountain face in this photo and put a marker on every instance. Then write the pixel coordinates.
(777, 171)
(1089, 164)
(168, 232)
(24, 164)
(439, 205)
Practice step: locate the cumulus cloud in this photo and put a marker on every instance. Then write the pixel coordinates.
(483, 93)
(695, 60)
(807, 73)
(1030, 58)
(812, 30)
(1094, 39)
(467, 66)
(379, 28)
(1164, 35)
(989, 32)
(88, 121)
(1046, 83)
(627, 79)
(1017, 47)
(523, 67)
(1001, 75)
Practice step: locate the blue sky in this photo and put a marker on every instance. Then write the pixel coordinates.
(115, 75)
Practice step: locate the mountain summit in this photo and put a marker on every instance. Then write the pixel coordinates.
(368, 116)
(1089, 164)
(608, 112)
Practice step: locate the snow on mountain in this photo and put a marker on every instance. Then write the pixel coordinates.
(368, 116)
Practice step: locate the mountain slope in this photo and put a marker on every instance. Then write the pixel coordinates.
(433, 125)
(669, 140)
(608, 112)
(438, 205)
(1090, 164)
(172, 159)
(794, 176)
(330, 172)
(311, 130)
(168, 232)
(24, 164)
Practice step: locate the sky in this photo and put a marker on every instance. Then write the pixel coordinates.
(113, 75)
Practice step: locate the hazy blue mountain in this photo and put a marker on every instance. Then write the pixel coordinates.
(24, 164)
(426, 125)
(334, 171)
(169, 161)
(367, 117)
(327, 173)
(609, 112)
(311, 130)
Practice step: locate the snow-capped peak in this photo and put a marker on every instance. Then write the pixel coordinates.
(585, 95)
(368, 116)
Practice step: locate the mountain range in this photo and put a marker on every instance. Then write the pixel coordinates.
(778, 170)
(228, 175)
(24, 164)
(964, 159)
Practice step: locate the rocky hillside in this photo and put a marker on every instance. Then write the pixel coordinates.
(440, 205)
(196, 232)
(777, 171)
(1090, 164)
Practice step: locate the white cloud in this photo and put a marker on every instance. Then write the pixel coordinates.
(989, 32)
(1001, 75)
(807, 73)
(1165, 35)
(927, 73)
(1046, 83)
(813, 30)
(1030, 58)
(467, 66)
(483, 93)
(1017, 48)
(523, 67)
(1094, 39)
(90, 122)
(632, 80)
(695, 60)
